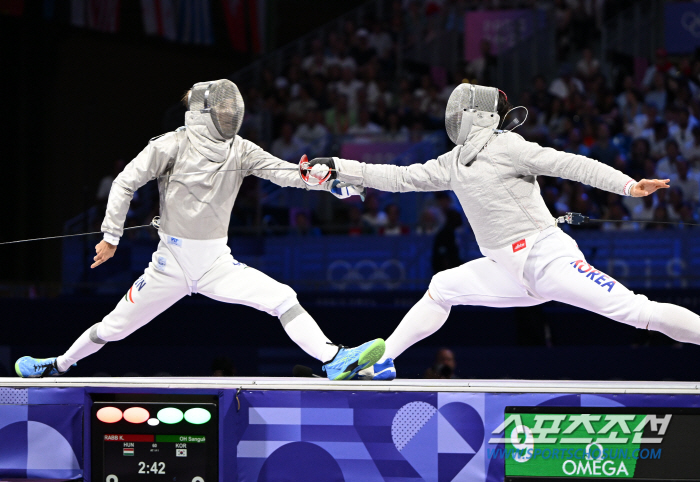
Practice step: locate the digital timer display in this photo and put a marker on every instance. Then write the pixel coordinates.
(166, 440)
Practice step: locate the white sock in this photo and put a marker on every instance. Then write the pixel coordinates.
(676, 322)
(304, 331)
(82, 347)
(424, 319)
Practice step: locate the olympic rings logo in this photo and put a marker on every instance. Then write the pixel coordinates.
(691, 22)
(366, 274)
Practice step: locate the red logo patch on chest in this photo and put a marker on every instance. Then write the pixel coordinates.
(518, 245)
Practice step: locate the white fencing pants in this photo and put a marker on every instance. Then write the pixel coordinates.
(183, 267)
(555, 269)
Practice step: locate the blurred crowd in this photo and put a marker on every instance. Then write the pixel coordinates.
(646, 127)
(352, 86)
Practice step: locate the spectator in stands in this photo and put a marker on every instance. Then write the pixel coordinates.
(688, 184)
(557, 122)
(588, 66)
(642, 125)
(604, 150)
(691, 149)
(313, 134)
(374, 217)
(365, 128)
(660, 217)
(356, 224)
(574, 144)
(687, 216)
(657, 94)
(639, 155)
(315, 64)
(340, 117)
(380, 40)
(661, 65)
(481, 67)
(348, 86)
(683, 130)
(666, 167)
(540, 98)
(644, 211)
(657, 140)
(443, 367)
(675, 203)
(393, 226)
(363, 51)
(302, 225)
(394, 130)
(287, 146)
(565, 84)
(616, 212)
(445, 247)
(298, 107)
(430, 221)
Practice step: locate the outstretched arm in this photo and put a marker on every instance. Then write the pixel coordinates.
(282, 173)
(534, 160)
(431, 176)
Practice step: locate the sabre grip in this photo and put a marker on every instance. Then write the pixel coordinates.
(327, 162)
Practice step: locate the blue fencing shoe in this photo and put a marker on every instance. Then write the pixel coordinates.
(28, 367)
(378, 371)
(348, 361)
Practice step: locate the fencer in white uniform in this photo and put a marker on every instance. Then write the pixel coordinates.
(527, 259)
(199, 168)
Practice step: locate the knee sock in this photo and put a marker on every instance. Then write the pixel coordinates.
(87, 344)
(304, 331)
(424, 319)
(676, 322)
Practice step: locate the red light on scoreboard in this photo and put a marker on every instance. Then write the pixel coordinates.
(109, 415)
(136, 415)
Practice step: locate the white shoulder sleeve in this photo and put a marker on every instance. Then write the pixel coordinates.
(434, 175)
(149, 164)
(532, 159)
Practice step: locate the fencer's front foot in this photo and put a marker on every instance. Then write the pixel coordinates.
(348, 361)
(379, 371)
(28, 367)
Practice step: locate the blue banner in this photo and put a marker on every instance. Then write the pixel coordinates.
(638, 259)
(682, 27)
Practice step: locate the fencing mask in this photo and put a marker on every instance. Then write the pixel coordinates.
(222, 100)
(470, 105)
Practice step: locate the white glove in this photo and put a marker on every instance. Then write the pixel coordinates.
(319, 171)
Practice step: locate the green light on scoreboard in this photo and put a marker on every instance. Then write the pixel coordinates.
(170, 415)
(197, 416)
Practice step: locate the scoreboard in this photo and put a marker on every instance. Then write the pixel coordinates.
(155, 438)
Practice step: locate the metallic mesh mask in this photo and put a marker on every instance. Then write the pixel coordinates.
(468, 99)
(222, 100)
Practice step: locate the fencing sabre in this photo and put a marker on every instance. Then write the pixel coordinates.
(576, 219)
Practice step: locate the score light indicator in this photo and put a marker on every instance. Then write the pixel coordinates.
(169, 415)
(197, 416)
(136, 415)
(109, 414)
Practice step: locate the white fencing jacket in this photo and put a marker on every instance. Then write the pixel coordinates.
(194, 206)
(497, 187)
